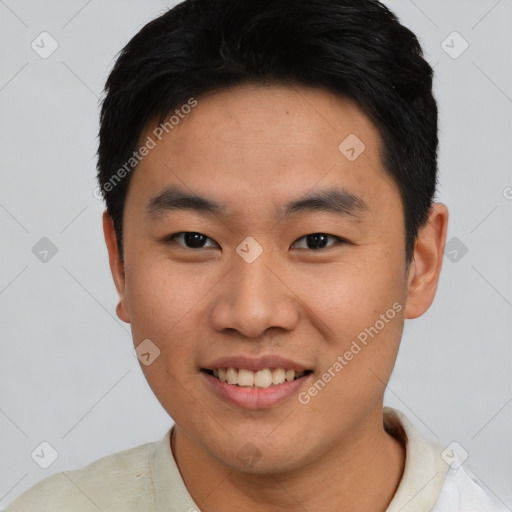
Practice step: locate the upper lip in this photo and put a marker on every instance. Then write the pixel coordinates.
(255, 363)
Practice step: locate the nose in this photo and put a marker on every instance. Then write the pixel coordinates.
(254, 297)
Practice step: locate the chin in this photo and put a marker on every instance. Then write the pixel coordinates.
(268, 464)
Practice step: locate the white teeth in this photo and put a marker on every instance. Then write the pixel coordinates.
(245, 377)
(278, 376)
(260, 379)
(290, 375)
(232, 376)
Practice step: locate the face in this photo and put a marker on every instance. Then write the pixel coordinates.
(302, 257)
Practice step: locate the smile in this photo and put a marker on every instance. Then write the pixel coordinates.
(254, 389)
(263, 378)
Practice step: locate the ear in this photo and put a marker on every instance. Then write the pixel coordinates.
(116, 266)
(425, 267)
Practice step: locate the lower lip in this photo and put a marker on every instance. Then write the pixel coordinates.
(255, 398)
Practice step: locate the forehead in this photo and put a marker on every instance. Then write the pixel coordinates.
(253, 144)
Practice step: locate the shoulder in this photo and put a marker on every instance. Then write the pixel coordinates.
(463, 491)
(453, 488)
(122, 481)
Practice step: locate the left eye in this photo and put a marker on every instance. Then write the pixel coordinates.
(317, 241)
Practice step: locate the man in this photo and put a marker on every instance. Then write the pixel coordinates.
(269, 169)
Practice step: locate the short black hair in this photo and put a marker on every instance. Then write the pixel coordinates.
(353, 48)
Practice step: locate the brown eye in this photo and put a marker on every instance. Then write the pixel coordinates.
(190, 239)
(316, 241)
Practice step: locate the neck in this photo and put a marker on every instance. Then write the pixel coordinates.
(370, 459)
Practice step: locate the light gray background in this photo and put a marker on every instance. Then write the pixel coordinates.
(67, 371)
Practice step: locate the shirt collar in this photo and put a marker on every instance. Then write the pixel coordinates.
(425, 470)
(420, 486)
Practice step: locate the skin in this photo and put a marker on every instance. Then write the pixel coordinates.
(252, 148)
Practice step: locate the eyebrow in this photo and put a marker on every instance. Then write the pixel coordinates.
(330, 200)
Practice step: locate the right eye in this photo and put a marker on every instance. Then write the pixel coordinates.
(189, 239)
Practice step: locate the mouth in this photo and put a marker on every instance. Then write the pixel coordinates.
(259, 379)
(255, 382)
(255, 389)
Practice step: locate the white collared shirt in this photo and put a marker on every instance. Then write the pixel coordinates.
(147, 479)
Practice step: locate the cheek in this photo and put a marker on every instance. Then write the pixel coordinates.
(162, 301)
(157, 301)
(168, 302)
(361, 309)
(350, 295)
(157, 292)
(365, 324)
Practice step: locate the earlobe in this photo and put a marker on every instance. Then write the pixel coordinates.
(122, 312)
(116, 266)
(426, 266)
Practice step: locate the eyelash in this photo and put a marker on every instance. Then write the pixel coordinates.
(171, 238)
